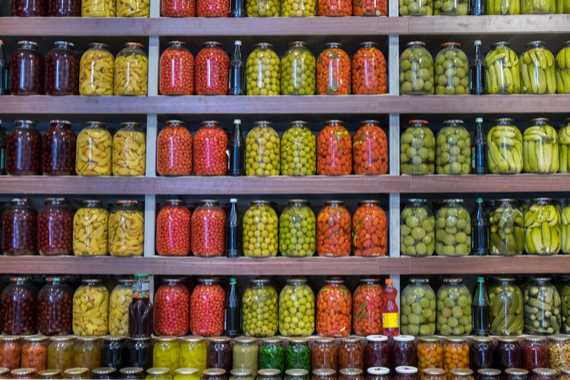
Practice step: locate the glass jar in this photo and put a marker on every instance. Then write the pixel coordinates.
(126, 229)
(211, 76)
(559, 351)
(506, 307)
(531, 7)
(451, 70)
(90, 309)
(133, 8)
(505, 147)
(55, 228)
(219, 353)
(98, 8)
(564, 290)
(334, 149)
(262, 71)
(297, 229)
(534, 353)
(62, 69)
(452, 8)
(119, 302)
(262, 150)
(64, 8)
(58, 152)
(404, 351)
(417, 229)
(262, 8)
(455, 353)
(296, 309)
(482, 353)
(333, 230)
(406, 373)
(297, 69)
(87, 352)
(370, 8)
(538, 76)
(178, 8)
(298, 8)
(171, 299)
(138, 353)
(60, 353)
(165, 353)
(333, 71)
(174, 150)
(208, 226)
(27, 69)
(562, 68)
(54, 305)
(453, 155)
(418, 309)
(213, 8)
(453, 229)
(430, 353)
(19, 225)
(540, 144)
(503, 7)
(131, 70)
(324, 353)
(370, 149)
(337, 8)
(94, 150)
(33, 8)
(369, 229)
(542, 228)
(90, 229)
(176, 62)
(298, 354)
(10, 351)
(416, 7)
(377, 352)
(508, 353)
(417, 149)
(325, 374)
(454, 310)
(334, 309)
(207, 308)
(416, 70)
(369, 69)
(350, 353)
(502, 70)
(34, 353)
(18, 307)
(193, 353)
(542, 305)
(245, 351)
(367, 307)
(2, 151)
(129, 150)
(506, 229)
(260, 227)
(96, 68)
(271, 354)
(210, 145)
(259, 309)
(112, 352)
(173, 229)
(299, 150)
(23, 149)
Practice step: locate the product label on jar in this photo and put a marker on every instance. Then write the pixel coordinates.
(390, 320)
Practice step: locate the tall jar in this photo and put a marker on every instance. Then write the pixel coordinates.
(133, 8)
(62, 69)
(176, 66)
(417, 149)
(96, 69)
(297, 224)
(27, 8)
(58, 151)
(453, 229)
(299, 150)
(173, 229)
(333, 71)
(453, 154)
(502, 70)
(337, 8)
(165, 354)
(564, 142)
(538, 68)
(334, 149)
(18, 307)
(369, 229)
(451, 70)
(271, 354)
(298, 8)
(504, 148)
(126, 229)
(417, 229)
(370, 149)
(540, 147)
(455, 353)
(34, 352)
(430, 353)
(211, 75)
(87, 353)
(367, 302)
(60, 353)
(119, 302)
(129, 150)
(334, 230)
(245, 351)
(418, 308)
(207, 304)
(208, 226)
(64, 8)
(334, 309)
(506, 308)
(416, 70)
(213, 8)
(542, 307)
(27, 69)
(542, 228)
(90, 226)
(90, 308)
(23, 149)
(533, 7)
(262, 71)
(94, 150)
(564, 290)
(193, 353)
(98, 8)
(259, 313)
(298, 70)
(369, 75)
(177, 8)
(54, 306)
(503, 7)
(171, 299)
(131, 71)
(260, 226)
(454, 309)
(19, 226)
(210, 146)
(174, 149)
(10, 351)
(296, 308)
(506, 228)
(262, 8)
(262, 150)
(562, 67)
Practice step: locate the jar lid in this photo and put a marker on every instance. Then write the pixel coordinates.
(48, 373)
(214, 372)
(207, 280)
(260, 281)
(508, 339)
(64, 44)
(378, 371)
(103, 371)
(88, 338)
(453, 121)
(370, 281)
(61, 338)
(535, 338)
(406, 370)
(92, 203)
(516, 371)
(157, 371)
(211, 202)
(324, 372)
(131, 370)
(419, 280)
(91, 281)
(113, 338)
(453, 281)
(537, 120)
(298, 123)
(98, 45)
(54, 201)
(297, 281)
(165, 338)
(9, 338)
(370, 121)
(57, 121)
(259, 202)
(189, 371)
(335, 280)
(454, 44)
(28, 42)
(501, 43)
(130, 124)
(173, 280)
(269, 372)
(481, 339)
(462, 372)
(418, 122)
(351, 371)
(77, 371)
(333, 45)
(434, 372)
(414, 43)
(545, 372)
(176, 122)
(334, 203)
(430, 339)
(241, 372)
(377, 338)
(541, 280)
(176, 43)
(368, 44)
(245, 340)
(296, 201)
(219, 339)
(263, 45)
(369, 201)
(565, 370)
(133, 44)
(20, 372)
(272, 340)
(455, 339)
(489, 372)
(211, 44)
(404, 338)
(35, 338)
(95, 124)
(351, 339)
(298, 340)
(297, 44)
(296, 372)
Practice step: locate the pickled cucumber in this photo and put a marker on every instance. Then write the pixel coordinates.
(416, 70)
(451, 70)
(417, 149)
(418, 308)
(542, 228)
(417, 229)
(538, 70)
(506, 307)
(564, 147)
(502, 70)
(453, 149)
(504, 148)
(506, 229)
(542, 308)
(453, 229)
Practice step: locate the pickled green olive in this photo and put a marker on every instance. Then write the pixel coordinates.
(262, 8)
(565, 308)
(451, 7)
(262, 71)
(418, 308)
(504, 148)
(453, 149)
(502, 70)
(506, 307)
(503, 7)
(298, 70)
(299, 8)
(296, 308)
(564, 147)
(416, 70)
(453, 229)
(262, 150)
(538, 7)
(542, 307)
(416, 7)
(417, 229)
(259, 305)
(565, 228)
(297, 229)
(506, 229)
(542, 228)
(298, 150)
(540, 147)
(563, 62)
(454, 308)
(417, 149)
(260, 230)
(538, 70)
(451, 70)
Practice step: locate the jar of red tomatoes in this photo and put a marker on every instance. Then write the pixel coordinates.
(370, 149)
(29, 8)
(369, 70)
(334, 149)
(176, 67)
(58, 153)
(178, 8)
(27, 69)
(18, 307)
(171, 308)
(333, 230)
(55, 302)
(174, 150)
(212, 69)
(370, 8)
(213, 8)
(367, 307)
(335, 8)
(34, 352)
(207, 308)
(210, 146)
(10, 351)
(64, 8)
(173, 229)
(350, 353)
(55, 228)
(62, 70)
(19, 228)
(23, 149)
(333, 71)
(208, 229)
(334, 309)
(369, 229)
(535, 352)
(377, 352)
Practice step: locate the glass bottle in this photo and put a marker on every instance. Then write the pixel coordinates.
(54, 308)
(87, 352)
(262, 150)
(23, 149)
(236, 153)
(233, 229)
(454, 309)
(418, 308)
(298, 354)
(272, 354)
(298, 150)
(3, 69)
(260, 230)
(479, 150)
(90, 309)
(2, 136)
(27, 69)
(502, 70)
(19, 226)
(542, 306)
(244, 353)
(417, 229)
(541, 156)
(62, 69)
(506, 307)
(193, 353)
(480, 307)
(237, 69)
(477, 82)
(58, 151)
(98, 8)
(18, 307)
(324, 353)
(297, 224)
(504, 148)
(542, 224)
(232, 310)
(430, 353)
(140, 309)
(390, 317)
(260, 303)
(90, 227)
(534, 353)
(178, 8)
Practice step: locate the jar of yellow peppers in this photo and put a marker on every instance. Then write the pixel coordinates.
(133, 8)
(90, 308)
(131, 71)
(98, 8)
(129, 150)
(193, 353)
(96, 70)
(126, 229)
(121, 298)
(93, 155)
(90, 229)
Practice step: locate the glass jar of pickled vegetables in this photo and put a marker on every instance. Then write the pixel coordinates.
(504, 148)
(537, 67)
(297, 225)
(208, 226)
(563, 68)
(454, 310)
(502, 70)
(350, 353)
(87, 353)
(60, 353)
(210, 145)
(417, 229)
(34, 352)
(207, 303)
(416, 7)
(369, 229)
(324, 354)
(506, 307)
(54, 308)
(542, 307)
(503, 7)
(90, 229)
(367, 307)
(27, 69)
(10, 350)
(334, 230)
(430, 353)
(417, 149)
(119, 301)
(262, 150)
(96, 68)
(540, 147)
(62, 69)
(165, 353)
(542, 228)
(211, 76)
(335, 8)
(455, 353)
(418, 308)
(370, 149)
(259, 309)
(98, 8)
(559, 351)
(133, 8)
(90, 308)
(174, 150)
(298, 354)
(131, 70)
(34, 8)
(296, 308)
(23, 149)
(404, 351)
(173, 229)
(18, 307)
(534, 352)
(369, 70)
(334, 309)
(298, 8)
(272, 354)
(453, 154)
(178, 8)
(370, 8)
(176, 62)
(451, 70)
(193, 353)
(451, 8)
(219, 353)
(453, 230)
(378, 351)
(297, 69)
(333, 71)
(506, 228)
(58, 151)
(299, 150)
(262, 8)
(416, 70)
(564, 290)
(171, 308)
(94, 150)
(260, 230)
(564, 140)
(245, 352)
(334, 149)
(126, 229)
(213, 8)
(19, 226)
(262, 71)
(129, 150)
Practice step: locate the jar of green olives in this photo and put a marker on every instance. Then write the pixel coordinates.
(542, 228)
(504, 148)
(506, 307)
(538, 70)
(417, 149)
(502, 70)
(453, 229)
(454, 308)
(260, 230)
(453, 149)
(262, 8)
(299, 8)
(416, 70)
(296, 308)
(418, 308)
(298, 70)
(506, 228)
(451, 7)
(540, 147)
(262, 150)
(262, 71)
(417, 229)
(451, 70)
(297, 229)
(564, 139)
(259, 303)
(298, 150)
(416, 7)
(542, 307)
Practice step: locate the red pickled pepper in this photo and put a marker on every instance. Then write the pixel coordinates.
(334, 149)
(367, 302)
(369, 230)
(333, 71)
(370, 149)
(207, 308)
(173, 229)
(213, 8)
(211, 75)
(210, 147)
(334, 309)
(178, 8)
(176, 70)
(333, 230)
(174, 150)
(390, 316)
(369, 70)
(370, 8)
(172, 308)
(208, 230)
(335, 8)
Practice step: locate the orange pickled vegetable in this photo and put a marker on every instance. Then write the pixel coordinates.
(334, 149)
(334, 309)
(333, 230)
(370, 149)
(369, 70)
(369, 230)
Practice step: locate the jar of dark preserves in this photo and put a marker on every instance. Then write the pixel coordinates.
(10, 352)
(62, 70)
(138, 353)
(55, 302)
(482, 353)
(29, 8)
(104, 373)
(220, 353)
(404, 351)
(516, 374)
(324, 353)
(58, 151)
(534, 353)
(112, 352)
(64, 8)
(509, 353)
(351, 374)
(406, 373)
(131, 373)
(23, 149)
(19, 222)
(544, 374)
(214, 374)
(27, 69)
(55, 228)
(488, 374)
(18, 307)
(350, 353)
(377, 352)
(378, 373)
(324, 374)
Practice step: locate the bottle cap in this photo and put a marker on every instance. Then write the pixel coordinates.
(237, 42)
(237, 121)
(233, 200)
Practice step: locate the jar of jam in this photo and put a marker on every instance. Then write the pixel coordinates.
(87, 352)
(174, 150)
(139, 353)
(370, 149)
(333, 71)
(544, 374)
(369, 229)
(171, 308)
(430, 353)
(58, 153)
(29, 8)
(34, 352)
(509, 353)
(207, 304)
(433, 374)
(210, 146)
(369, 70)
(516, 374)
(404, 350)
(482, 353)
(173, 229)
(62, 69)
(220, 353)
(334, 309)
(534, 353)
(406, 373)
(377, 352)
(211, 76)
(19, 222)
(18, 307)
(378, 373)
(178, 8)
(60, 353)
(176, 64)
(55, 302)
(324, 353)
(27, 69)
(208, 226)
(64, 8)
(132, 373)
(214, 374)
(455, 353)
(334, 230)
(55, 229)
(488, 374)
(10, 352)
(350, 353)
(324, 374)
(112, 352)
(23, 149)
(351, 374)
(104, 373)
(334, 149)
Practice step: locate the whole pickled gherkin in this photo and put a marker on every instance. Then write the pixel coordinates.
(506, 229)
(298, 8)
(538, 70)
(262, 150)
(417, 149)
(259, 309)
(451, 70)
(564, 147)
(453, 229)
(418, 308)
(540, 147)
(298, 70)
(504, 148)
(417, 229)
(296, 308)
(538, 7)
(503, 7)
(260, 230)
(451, 7)
(416, 70)
(542, 307)
(506, 307)
(542, 228)
(453, 154)
(416, 7)
(262, 71)
(454, 308)
(502, 70)
(565, 308)
(563, 62)
(262, 8)
(297, 229)
(298, 150)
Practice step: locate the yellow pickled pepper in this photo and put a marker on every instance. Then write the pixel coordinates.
(129, 150)
(90, 308)
(96, 71)
(93, 155)
(121, 298)
(90, 229)
(131, 71)
(126, 229)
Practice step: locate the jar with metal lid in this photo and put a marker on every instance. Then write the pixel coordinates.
(416, 70)
(453, 229)
(369, 69)
(23, 149)
(298, 150)
(27, 69)
(534, 352)
(96, 69)
(502, 70)
(19, 226)
(172, 298)
(482, 353)
(220, 353)
(48, 374)
(430, 353)
(378, 373)
(417, 149)
(367, 307)
(60, 353)
(418, 309)
(62, 69)
(455, 353)
(505, 148)
(174, 149)
(260, 230)
(58, 151)
(139, 353)
(214, 374)
(119, 301)
(94, 150)
(369, 229)
(10, 351)
(18, 308)
(132, 373)
(297, 224)
(324, 353)
(173, 229)
(245, 351)
(104, 373)
(112, 352)
(129, 150)
(562, 69)
(271, 354)
(404, 351)
(262, 71)
(190, 374)
(433, 374)
(545, 374)
(324, 374)
(334, 309)
(559, 351)
(33, 8)
(334, 230)
(54, 308)
(333, 71)
(90, 309)
(370, 149)
(193, 353)
(406, 373)
(212, 67)
(259, 309)
(461, 374)
(131, 71)
(540, 147)
(208, 229)
(451, 70)
(176, 61)
(298, 354)
(34, 352)
(268, 374)
(87, 352)
(542, 307)
(506, 228)
(297, 69)
(90, 226)
(517, 374)
(453, 156)
(488, 374)
(334, 149)
(296, 309)
(210, 146)
(207, 303)
(165, 353)
(417, 229)
(351, 374)
(377, 352)
(262, 150)
(350, 353)
(158, 373)
(126, 229)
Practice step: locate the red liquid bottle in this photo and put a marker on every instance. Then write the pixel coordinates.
(140, 309)
(390, 317)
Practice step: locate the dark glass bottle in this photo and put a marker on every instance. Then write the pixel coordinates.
(236, 154)
(140, 309)
(236, 70)
(232, 310)
(3, 69)
(481, 309)
(2, 144)
(477, 69)
(480, 229)
(478, 155)
(477, 7)
(233, 225)
(238, 10)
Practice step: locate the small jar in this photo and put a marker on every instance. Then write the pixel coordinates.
(334, 230)
(176, 62)
(96, 70)
(451, 70)
(94, 150)
(453, 230)
(417, 229)
(33, 8)
(173, 229)
(534, 353)
(171, 298)
(333, 71)
(207, 308)
(542, 223)
(119, 302)
(60, 353)
(54, 307)
(208, 229)
(19, 307)
(378, 352)
(131, 71)
(335, 8)
(126, 229)
(210, 146)
(62, 69)
(27, 69)
(271, 354)
(433, 374)
(193, 353)
(133, 8)
(165, 354)
(350, 353)
(90, 226)
(174, 150)
(129, 150)
(245, 351)
(98, 8)
(453, 154)
(23, 149)
(378, 373)
(298, 150)
(324, 354)
(417, 149)
(138, 353)
(370, 149)
(259, 309)
(406, 373)
(367, 308)
(213, 8)
(369, 75)
(262, 71)
(178, 8)
(416, 70)
(113, 352)
(296, 309)
(58, 152)
(404, 351)
(508, 353)
(430, 353)
(482, 353)
(502, 70)
(211, 75)
(334, 309)
(505, 148)
(369, 229)
(10, 351)
(297, 224)
(19, 225)
(87, 352)
(260, 230)
(298, 354)
(455, 353)
(34, 353)
(262, 148)
(219, 353)
(418, 309)
(334, 149)
(90, 309)
(64, 8)
(297, 70)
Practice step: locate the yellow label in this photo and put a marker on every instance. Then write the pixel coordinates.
(390, 320)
